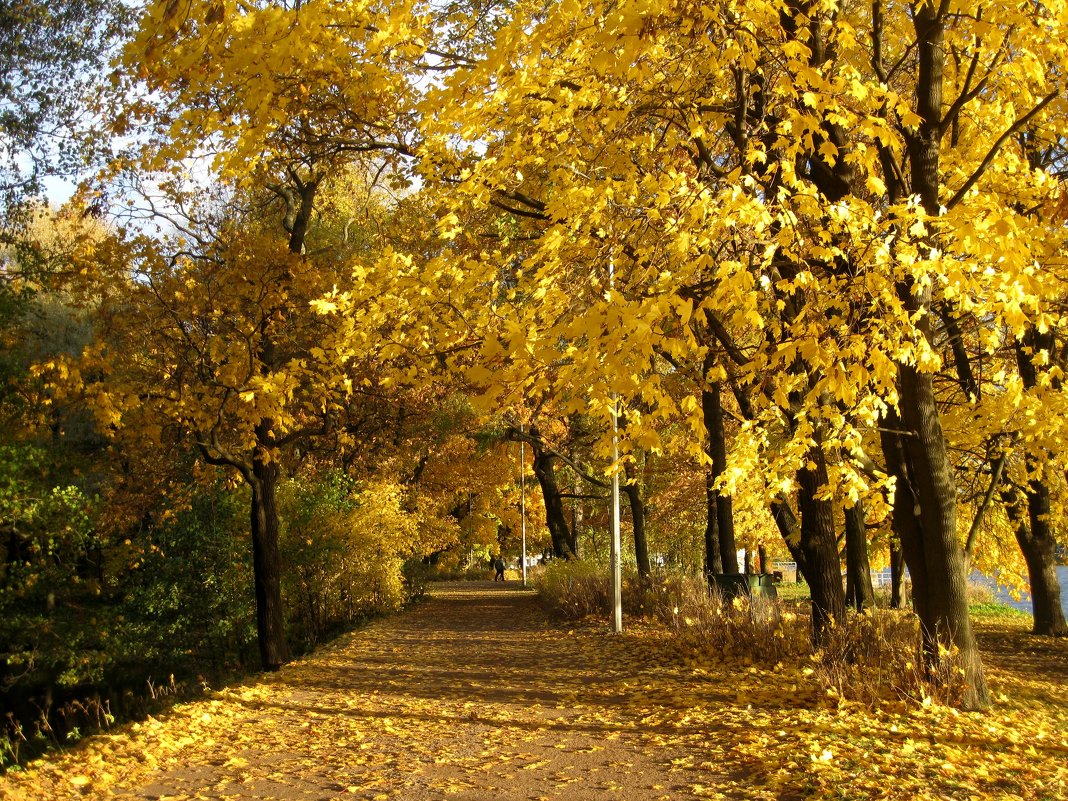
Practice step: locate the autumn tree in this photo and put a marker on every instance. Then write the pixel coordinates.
(52, 59)
(811, 174)
(280, 99)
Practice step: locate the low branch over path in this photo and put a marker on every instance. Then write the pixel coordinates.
(474, 696)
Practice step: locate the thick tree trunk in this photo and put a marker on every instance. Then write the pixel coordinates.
(637, 516)
(820, 546)
(555, 517)
(267, 566)
(713, 559)
(1034, 534)
(860, 594)
(1029, 513)
(936, 562)
(712, 410)
(1039, 550)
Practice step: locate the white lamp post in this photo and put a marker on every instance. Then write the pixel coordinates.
(614, 552)
(523, 500)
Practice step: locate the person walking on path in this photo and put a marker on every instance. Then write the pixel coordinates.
(498, 565)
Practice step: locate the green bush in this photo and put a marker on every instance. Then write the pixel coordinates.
(188, 607)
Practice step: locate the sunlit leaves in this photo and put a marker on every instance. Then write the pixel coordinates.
(254, 83)
(441, 695)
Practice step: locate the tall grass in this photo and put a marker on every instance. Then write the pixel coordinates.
(870, 657)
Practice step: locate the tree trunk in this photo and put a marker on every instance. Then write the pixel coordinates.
(637, 516)
(712, 410)
(1039, 550)
(819, 546)
(1035, 535)
(790, 529)
(859, 591)
(905, 517)
(897, 574)
(713, 559)
(263, 478)
(267, 566)
(936, 562)
(762, 557)
(1032, 529)
(555, 517)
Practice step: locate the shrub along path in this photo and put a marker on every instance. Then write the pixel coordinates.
(472, 695)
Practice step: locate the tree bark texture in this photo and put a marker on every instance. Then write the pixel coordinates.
(860, 594)
(555, 517)
(1029, 513)
(713, 559)
(819, 544)
(267, 566)
(712, 410)
(1033, 531)
(936, 561)
(637, 516)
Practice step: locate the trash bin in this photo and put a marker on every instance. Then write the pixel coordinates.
(763, 584)
(731, 585)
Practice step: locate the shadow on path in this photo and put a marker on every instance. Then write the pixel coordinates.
(470, 695)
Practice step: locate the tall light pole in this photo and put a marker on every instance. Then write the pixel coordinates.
(523, 500)
(614, 552)
(615, 559)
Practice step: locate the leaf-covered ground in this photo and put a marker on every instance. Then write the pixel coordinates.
(473, 695)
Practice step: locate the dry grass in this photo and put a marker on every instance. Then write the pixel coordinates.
(869, 657)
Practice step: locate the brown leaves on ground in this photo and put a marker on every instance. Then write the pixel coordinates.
(472, 695)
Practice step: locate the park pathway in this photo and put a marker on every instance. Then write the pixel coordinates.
(471, 695)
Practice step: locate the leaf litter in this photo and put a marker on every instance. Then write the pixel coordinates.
(474, 695)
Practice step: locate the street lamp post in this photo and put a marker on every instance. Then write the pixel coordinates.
(523, 498)
(614, 552)
(616, 561)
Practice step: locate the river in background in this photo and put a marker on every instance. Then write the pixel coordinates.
(1024, 604)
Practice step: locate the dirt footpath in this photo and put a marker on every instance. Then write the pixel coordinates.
(471, 695)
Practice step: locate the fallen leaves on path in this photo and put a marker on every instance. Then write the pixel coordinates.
(474, 696)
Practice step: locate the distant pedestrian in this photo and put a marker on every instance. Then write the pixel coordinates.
(498, 565)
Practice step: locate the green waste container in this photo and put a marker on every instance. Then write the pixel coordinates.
(763, 584)
(731, 585)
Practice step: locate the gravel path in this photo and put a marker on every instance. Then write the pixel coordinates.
(471, 695)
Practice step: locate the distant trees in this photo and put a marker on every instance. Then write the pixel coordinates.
(810, 254)
(53, 59)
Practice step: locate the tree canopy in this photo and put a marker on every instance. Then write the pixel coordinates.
(803, 259)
